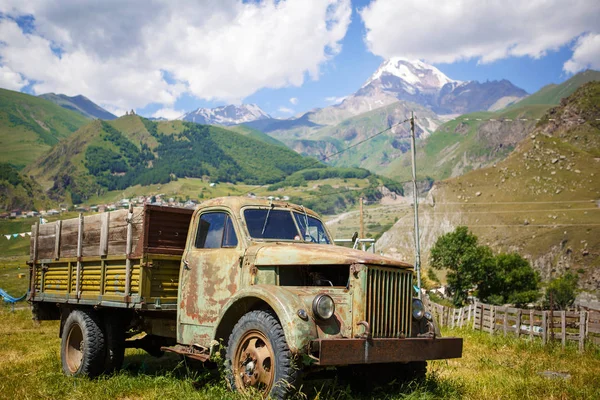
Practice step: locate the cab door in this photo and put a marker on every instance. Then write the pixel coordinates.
(209, 275)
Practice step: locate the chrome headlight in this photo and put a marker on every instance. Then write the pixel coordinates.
(418, 309)
(323, 306)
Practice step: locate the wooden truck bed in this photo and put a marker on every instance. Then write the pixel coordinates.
(125, 258)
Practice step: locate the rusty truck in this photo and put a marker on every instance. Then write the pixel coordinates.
(259, 282)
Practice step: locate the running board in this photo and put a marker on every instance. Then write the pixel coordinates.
(200, 354)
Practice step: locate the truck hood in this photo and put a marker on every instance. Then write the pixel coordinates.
(279, 253)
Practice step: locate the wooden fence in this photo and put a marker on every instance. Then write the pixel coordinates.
(576, 326)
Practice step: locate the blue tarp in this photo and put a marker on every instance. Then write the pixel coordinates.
(9, 299)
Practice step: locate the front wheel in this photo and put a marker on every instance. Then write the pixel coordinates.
(259, 358)
(83, 345)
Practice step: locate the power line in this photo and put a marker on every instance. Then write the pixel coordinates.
(580, 120)
(514, 202)
(514, 211)
(508, 225)
(332, 155)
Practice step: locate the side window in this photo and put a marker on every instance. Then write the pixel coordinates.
(215, 231)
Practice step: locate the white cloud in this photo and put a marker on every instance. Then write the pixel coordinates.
(586, 54)
(9, 79)
(130, 54)
(285, 110)
(443, 31)
(168, 113)
(294, 100)
(335, 100)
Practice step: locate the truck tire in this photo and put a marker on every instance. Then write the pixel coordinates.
(258, 357)
(83, 345)
(114, 330)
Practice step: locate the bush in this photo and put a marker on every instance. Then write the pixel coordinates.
(505, 278)
(562, 291)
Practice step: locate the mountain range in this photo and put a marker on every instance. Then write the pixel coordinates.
(421, 83)
(226, 115)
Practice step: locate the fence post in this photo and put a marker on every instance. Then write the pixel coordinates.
(461, 314)
(492, 319)
(443, 314)
(563, 328)
(474, 315)
(481, 317)
(469, 314)
(581, 330)
(530, 324)
(505, 321)
(453, 317)
(544, 327)
(518, 324)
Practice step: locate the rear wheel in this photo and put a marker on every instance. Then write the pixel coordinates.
(259, 358)
(83, 345)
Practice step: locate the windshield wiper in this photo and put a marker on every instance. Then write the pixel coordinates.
(262, 233)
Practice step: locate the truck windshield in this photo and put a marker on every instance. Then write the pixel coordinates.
(284, 225)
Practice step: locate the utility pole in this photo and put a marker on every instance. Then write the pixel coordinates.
(415, 200)
(362, 224)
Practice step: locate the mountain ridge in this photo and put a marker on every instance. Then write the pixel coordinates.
(80, 104)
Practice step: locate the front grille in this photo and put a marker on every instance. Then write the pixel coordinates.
(389, 302)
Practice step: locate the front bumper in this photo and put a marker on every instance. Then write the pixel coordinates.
(331, 352)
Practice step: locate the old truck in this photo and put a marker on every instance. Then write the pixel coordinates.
(257, 281)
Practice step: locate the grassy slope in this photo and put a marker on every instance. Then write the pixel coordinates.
(458, 146)
(255, 134)
(533, 202)
(29, 126)
(491, 367)
(552, 94)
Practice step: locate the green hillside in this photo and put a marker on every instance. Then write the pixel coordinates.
(255, 134)
(19, 191)
(552, 94)
(540, 201)
(113, 155)
(30, 126)
(472, 141)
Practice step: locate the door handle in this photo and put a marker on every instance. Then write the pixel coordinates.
(186, 264)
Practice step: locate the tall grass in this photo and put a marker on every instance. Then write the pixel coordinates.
(492, 367)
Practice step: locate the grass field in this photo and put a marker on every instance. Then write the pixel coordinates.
(492, 367)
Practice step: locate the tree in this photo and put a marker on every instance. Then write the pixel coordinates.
(562, 290)
(460, 254)
(509, 279)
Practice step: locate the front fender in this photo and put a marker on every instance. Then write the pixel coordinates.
(298, 332)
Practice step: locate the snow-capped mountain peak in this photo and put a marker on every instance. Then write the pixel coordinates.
(226, 115)
(413, 72)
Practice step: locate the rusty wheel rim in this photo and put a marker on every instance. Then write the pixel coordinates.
(254, 363)
(75, 347)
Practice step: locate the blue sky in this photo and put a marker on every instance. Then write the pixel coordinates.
(165, 57)
(349, 69)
